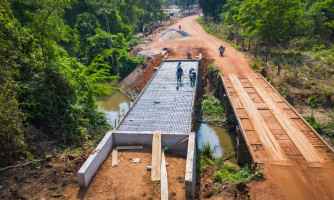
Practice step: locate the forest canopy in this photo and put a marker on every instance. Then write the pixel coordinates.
(56, 57)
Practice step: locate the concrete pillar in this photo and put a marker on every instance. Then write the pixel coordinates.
(227, 105)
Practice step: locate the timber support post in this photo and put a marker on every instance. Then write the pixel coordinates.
(227, 105)
(239, 143)
(220, 88)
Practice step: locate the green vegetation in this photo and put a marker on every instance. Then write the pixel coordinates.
(291, 41)
(210, 110)
(227, 171)
(321, 128)
(204, 159)
(56, 57)
(233, 174)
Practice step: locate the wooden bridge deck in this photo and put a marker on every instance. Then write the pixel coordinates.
(273, 130)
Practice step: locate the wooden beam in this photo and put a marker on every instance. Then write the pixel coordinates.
(114, 158)
(262, 130)
(164, 180)
(129, 147)
(156, 157)
(297, 137)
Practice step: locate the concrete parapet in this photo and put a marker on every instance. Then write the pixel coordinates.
(144, 138)
(190, 176)
(95, 160)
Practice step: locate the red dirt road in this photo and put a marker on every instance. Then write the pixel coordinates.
(290, 173)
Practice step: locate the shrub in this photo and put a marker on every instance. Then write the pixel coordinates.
(213, 72)
(329, 130)
(317, 48)
(316, 125)
(206, 150)
(212, 110)
(203, 163)
(234, 175)
(328, 95)
(255, 65)
(312, 101)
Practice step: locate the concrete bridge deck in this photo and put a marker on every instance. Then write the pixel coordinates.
(273, 130)
(161, 106)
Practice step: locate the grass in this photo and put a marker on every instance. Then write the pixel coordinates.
(204, 159)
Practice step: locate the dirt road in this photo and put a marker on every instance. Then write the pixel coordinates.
(298, 165)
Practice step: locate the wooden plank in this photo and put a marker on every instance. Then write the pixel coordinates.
(156, 157)
(266, 137)
(237, 104)
(297, 137)
(114, 161)
(164, 180)
(129, 147)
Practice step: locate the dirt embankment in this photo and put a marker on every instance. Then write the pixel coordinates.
(50, 178)
(135, 82)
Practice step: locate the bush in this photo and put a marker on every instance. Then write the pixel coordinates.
(212, 72)
(233, 174)
(329, 130)
(206, 150)
(255, 65)
(317, 48)
(212, 110)
(11, 118)
(203, 163)
(316, 125)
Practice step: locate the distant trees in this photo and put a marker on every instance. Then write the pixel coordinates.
(271, 21)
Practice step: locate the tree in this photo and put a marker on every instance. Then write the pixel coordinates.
(47, 20)
(211, 8)
(271, 20)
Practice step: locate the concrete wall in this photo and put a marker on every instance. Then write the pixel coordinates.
(95, 160)
(120, 138)
(190, 176)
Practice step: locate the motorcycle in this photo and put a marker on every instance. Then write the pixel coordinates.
(221, 51)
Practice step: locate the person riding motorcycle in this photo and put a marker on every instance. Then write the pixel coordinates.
(221, 50)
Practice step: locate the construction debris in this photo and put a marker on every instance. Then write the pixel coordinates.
(114, 162)
(156, 156)
(136, 160)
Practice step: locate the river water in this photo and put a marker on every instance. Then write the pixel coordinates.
(115, 106)
(221, 142)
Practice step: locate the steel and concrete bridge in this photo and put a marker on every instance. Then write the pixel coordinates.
(163, 110)
(164, 105)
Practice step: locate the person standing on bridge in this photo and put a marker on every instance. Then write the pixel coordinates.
(178, 66)
(179, 72)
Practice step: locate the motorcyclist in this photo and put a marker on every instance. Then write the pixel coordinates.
(221, 50)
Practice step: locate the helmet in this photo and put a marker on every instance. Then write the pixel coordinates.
(179, 63)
